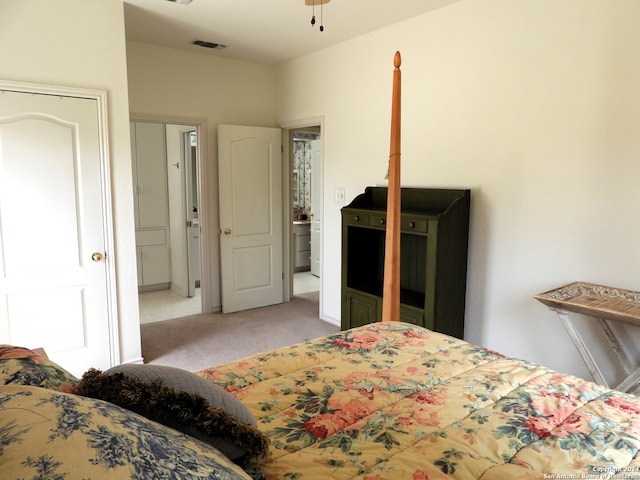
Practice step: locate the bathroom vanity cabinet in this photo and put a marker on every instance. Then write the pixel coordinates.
(302, 242)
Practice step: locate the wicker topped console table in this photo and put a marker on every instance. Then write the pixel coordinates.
(606, 304)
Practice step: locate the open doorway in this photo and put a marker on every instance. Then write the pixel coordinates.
(306, 198)
(169, 285)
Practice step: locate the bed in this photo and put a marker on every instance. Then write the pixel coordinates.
(392, 400)
(383, 401)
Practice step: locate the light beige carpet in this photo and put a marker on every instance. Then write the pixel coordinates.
(200, 341)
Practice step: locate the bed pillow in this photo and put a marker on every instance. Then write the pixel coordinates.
(50, 434)
(21, 366)
(183, 401)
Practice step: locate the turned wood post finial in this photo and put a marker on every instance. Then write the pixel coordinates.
(391, 281)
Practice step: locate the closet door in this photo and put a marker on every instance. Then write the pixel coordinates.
(54, 203)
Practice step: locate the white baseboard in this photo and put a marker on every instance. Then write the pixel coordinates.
(134, 361)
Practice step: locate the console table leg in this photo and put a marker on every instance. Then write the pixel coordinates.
(630, 383)
(587, 358)
(613, 342)
(632, 374)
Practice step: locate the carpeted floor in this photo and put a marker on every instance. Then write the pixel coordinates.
(200, 341)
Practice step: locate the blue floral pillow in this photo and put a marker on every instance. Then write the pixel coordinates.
(51, 434)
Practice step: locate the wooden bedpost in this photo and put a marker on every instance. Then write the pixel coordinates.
(391, 287)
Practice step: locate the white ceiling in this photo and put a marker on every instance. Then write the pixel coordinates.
(263, 31)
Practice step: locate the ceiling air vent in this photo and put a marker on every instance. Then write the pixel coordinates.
(202, 43)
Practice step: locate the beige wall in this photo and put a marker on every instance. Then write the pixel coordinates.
(534, 105)
(80, 43)
(170, 84)
(531, 103)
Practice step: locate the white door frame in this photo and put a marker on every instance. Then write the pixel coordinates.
(100, 96)
(287, 126)
(202, 167)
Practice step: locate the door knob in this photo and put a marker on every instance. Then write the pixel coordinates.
(96, 257)
(227, 231)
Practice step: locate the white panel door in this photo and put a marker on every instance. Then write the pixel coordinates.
(191, 204)
(251, 239)
(54, 276)
(177, 207)
(316, 200)
(183, 222)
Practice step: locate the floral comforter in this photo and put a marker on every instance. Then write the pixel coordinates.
(395, 401)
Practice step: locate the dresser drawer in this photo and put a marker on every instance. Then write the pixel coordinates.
(378, 220)
(357, 219)
(413, 224)
(409, 224)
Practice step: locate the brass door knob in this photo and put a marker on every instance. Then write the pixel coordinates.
(96, 257)
(227, 231)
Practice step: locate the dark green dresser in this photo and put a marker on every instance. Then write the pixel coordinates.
(434, 232)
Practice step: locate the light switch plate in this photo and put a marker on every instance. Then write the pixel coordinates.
(340, 196)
